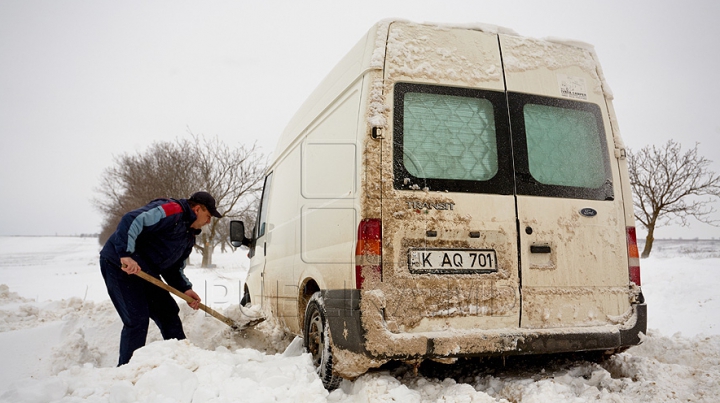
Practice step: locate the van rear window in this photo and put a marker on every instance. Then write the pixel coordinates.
(559, 148)
(451, 139)
(563, 146)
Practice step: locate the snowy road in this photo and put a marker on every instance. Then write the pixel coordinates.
(59, 337)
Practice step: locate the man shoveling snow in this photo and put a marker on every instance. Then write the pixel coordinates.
(157, 239)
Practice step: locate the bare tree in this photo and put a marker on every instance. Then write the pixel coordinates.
(233, 177)
(164, 170)
(178, 169)
(671, 186)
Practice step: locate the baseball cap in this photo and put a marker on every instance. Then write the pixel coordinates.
(206, 200)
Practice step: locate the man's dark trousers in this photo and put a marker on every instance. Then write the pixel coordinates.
(137, 301)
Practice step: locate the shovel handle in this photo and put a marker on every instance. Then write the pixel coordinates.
(187, 298)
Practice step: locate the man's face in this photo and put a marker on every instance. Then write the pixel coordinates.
(203, 216)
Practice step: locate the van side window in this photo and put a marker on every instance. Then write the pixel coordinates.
(260, 225)
(451, 139)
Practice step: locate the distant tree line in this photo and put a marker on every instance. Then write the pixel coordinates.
(233, 175)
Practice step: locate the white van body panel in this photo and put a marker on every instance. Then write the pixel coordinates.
(468, 149)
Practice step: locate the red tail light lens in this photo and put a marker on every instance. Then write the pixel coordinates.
(368, 251)
(633, 256)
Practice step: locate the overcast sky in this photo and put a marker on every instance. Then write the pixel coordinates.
(84, 81)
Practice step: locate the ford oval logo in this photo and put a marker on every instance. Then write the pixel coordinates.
(588, 212)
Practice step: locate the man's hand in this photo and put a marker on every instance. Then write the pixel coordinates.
(129, 265)
(192, 294)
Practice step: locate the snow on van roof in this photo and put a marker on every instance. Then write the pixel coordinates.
(591, 49)
(479, 26)
(570, 42)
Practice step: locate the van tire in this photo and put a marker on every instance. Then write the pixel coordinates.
(316, 339)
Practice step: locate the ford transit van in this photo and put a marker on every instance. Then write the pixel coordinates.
(449, 191)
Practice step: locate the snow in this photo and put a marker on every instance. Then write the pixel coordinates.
(59, 336)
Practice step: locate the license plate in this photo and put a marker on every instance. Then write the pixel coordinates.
(452, 260)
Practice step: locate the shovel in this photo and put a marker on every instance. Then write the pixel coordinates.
(212, 312)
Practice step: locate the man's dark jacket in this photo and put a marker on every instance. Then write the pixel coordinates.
(158, 237)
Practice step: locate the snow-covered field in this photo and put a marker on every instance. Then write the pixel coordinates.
(59, 336)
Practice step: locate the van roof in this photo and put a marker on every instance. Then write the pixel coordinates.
(369, 54)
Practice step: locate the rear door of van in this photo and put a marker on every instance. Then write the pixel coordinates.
(448, 212)
(569, 200)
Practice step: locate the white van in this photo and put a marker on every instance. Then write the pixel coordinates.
(449, 191)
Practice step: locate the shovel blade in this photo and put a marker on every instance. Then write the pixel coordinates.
(248, 324)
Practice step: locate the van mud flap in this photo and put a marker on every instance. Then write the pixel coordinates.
(347, 332)
(342, 309)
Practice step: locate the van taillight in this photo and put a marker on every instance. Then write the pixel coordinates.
(633, 256)
(368, 251)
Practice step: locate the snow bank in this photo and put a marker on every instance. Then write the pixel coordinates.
(177, 371)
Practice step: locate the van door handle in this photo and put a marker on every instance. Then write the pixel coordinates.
(540, 249)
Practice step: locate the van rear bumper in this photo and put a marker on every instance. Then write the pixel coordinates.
(348, 333)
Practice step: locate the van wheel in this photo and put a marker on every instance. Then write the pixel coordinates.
(316, 339)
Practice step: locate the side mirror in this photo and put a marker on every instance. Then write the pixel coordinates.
(237, 234)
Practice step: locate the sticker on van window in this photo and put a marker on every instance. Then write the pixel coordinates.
(572, 87)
